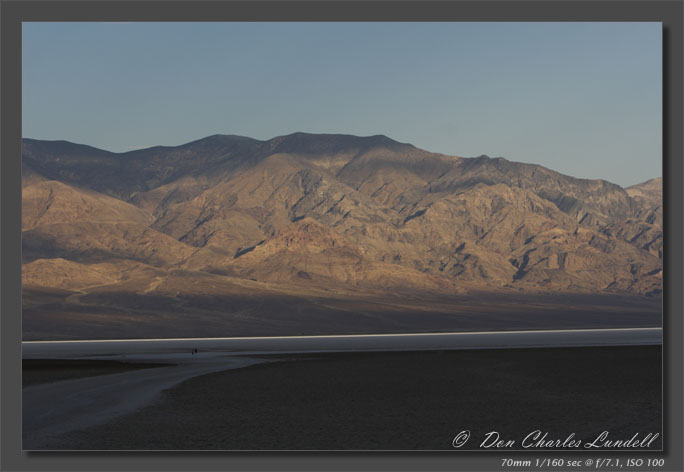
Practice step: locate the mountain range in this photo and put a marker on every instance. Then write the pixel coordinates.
(309, 214)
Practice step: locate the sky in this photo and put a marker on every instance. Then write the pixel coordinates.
(584, 99)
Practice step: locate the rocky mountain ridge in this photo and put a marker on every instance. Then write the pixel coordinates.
(329, 211)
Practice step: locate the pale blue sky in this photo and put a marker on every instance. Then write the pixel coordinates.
(584, 99)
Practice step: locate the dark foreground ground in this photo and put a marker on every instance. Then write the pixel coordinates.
(37, 371)
(417, 400)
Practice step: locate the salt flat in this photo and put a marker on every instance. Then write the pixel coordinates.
(180, 348)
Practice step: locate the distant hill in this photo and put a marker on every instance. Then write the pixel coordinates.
(330, 212)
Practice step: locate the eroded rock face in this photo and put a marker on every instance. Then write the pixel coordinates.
(333, 210)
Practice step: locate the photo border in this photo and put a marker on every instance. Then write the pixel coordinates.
(670, 13)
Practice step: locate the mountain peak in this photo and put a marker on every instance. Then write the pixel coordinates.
(221, 139)
(309, 143)
(655, 183)
(486, 158)
(60, 146)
